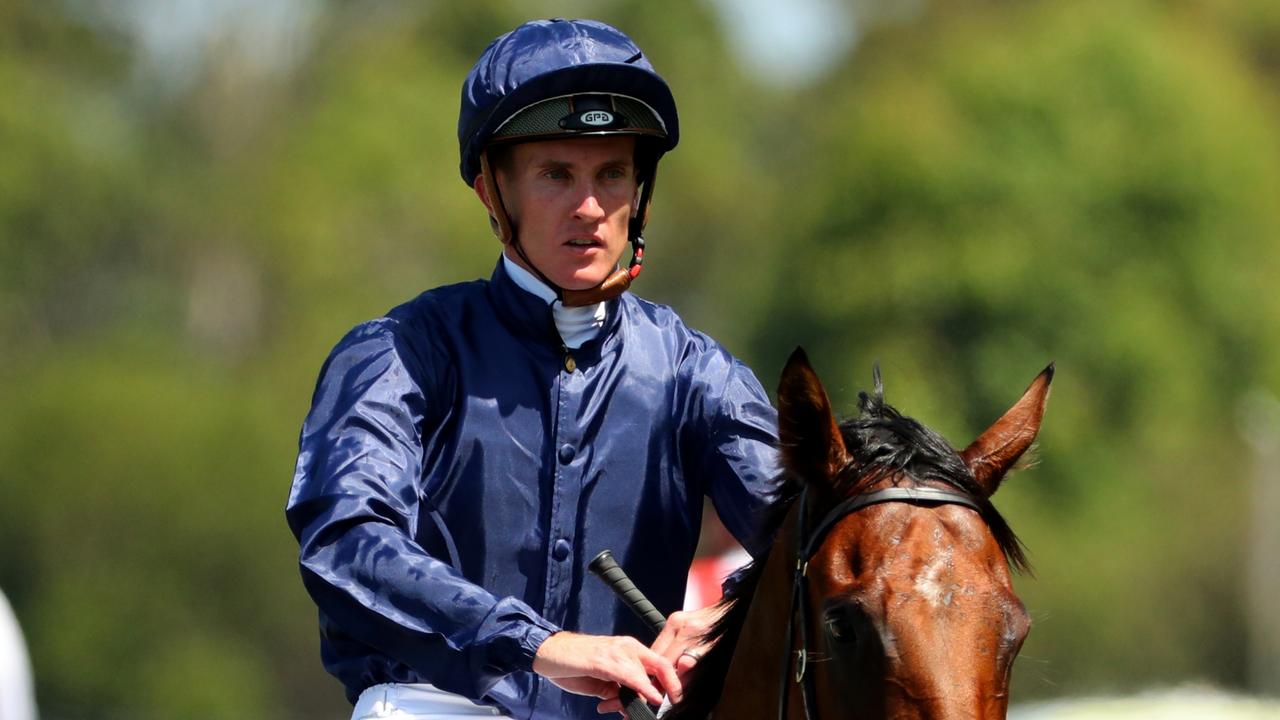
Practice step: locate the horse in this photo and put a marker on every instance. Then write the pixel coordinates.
(897, 601)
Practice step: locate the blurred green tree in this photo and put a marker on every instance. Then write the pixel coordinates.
(974, 192)
(995, 187)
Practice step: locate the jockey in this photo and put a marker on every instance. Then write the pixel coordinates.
(469, 452)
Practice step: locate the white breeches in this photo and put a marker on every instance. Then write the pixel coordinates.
(395, 701)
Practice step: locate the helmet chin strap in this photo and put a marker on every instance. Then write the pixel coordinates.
(614, 285)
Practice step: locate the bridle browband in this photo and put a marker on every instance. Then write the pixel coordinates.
(807, 545)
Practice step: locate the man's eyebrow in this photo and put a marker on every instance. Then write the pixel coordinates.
(553, 164)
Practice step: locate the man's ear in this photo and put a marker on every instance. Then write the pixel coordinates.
(482, 192)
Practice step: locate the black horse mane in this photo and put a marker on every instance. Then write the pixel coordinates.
(881, 443)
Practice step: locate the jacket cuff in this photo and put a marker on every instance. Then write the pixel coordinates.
(513, 633)
(533, 639)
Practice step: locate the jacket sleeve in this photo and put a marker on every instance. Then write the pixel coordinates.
(739, 467)
(353, 509)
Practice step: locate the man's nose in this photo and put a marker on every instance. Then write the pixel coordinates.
(589, 205)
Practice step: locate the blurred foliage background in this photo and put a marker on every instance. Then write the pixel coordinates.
(192, 213)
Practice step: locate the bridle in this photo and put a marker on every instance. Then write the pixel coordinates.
(807, 543)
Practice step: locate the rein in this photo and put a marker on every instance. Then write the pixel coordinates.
(807, 543)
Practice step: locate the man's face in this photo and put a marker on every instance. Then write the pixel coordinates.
(571, 201)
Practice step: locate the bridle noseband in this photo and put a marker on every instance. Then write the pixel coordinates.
(806, 545)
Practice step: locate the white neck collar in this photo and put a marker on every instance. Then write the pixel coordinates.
(576, 325)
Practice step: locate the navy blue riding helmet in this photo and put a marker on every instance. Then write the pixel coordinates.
(557, 78)
(545, 59)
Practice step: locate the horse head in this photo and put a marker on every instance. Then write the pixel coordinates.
(910, 610)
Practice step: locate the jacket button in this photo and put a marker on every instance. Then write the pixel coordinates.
(560, 551)
(566, 453)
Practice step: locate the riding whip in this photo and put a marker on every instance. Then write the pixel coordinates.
(608, 570)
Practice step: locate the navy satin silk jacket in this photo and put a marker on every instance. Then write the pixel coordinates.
(457, 471)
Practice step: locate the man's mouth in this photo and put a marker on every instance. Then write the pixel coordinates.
(583, 242)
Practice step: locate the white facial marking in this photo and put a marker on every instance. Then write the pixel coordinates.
(928, 583)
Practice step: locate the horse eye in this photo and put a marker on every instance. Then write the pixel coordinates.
(840, 626)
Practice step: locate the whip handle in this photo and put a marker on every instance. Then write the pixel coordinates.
(608, 570)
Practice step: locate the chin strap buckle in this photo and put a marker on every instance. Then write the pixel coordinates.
(613, 286)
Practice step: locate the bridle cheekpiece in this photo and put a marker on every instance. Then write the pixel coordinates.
(807, 544)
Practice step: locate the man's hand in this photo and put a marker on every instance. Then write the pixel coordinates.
(681, 641)
(598, 664)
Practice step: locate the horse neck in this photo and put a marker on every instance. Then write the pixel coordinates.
(751, 686)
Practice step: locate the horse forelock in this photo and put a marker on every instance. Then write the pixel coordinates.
(883, 444)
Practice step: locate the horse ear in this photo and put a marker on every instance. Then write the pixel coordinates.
(808, 435)
(997, 449)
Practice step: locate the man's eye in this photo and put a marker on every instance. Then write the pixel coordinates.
(556, 174)
(615, 173)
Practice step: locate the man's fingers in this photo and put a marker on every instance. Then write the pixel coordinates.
(600, 688)
(586, 685)
(639, 669)
(583, 663)
(665, 672)
(611, 703)
(664, 641)
(644, 687)
(674, 637)
(686, 631)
